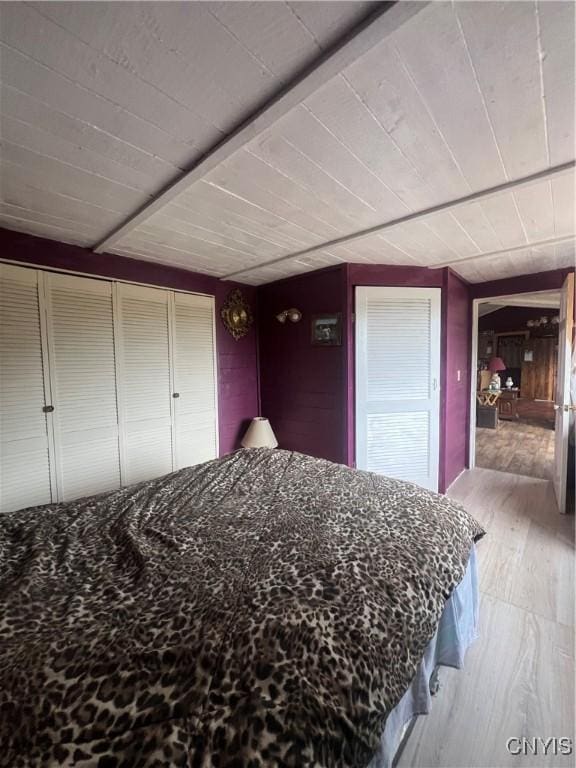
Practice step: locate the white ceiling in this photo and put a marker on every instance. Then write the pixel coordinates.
(105, 104)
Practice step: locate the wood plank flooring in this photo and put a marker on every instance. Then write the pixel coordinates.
(524, 447)
(518, 678)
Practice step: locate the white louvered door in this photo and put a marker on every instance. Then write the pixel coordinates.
(83, 381)
(194, 379)
(102, 384)
(145, 382)
(25, 471)
(398, 382)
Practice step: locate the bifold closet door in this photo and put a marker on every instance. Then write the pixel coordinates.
(83, 382)
(144, 382)
(25, 473)
(194, 379)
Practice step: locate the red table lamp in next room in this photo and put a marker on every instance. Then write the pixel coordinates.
(496, 364)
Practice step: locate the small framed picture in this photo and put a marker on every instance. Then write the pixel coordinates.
(528, 356)
(327, 330)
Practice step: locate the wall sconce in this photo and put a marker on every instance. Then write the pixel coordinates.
(294, 315)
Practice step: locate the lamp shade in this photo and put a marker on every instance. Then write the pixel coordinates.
(259, 434)
(496, 364)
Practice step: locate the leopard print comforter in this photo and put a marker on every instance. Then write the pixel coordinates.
(263, 609)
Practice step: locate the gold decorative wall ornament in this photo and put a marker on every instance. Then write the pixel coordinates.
(236, 314)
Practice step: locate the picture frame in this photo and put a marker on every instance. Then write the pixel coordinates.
(326, 330)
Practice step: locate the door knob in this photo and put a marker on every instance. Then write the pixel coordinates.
(48, 408)
(176, 394)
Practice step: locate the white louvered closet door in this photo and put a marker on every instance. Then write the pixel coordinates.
(25, 472)
(398, 382)
(145, 382)
(83, 381)
(194, 379)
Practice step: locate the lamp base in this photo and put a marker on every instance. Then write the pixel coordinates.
(495, 382)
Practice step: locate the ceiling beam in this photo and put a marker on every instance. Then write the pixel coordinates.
(387, 18)
(544, 299)
(525, 181)
(487, 255)
(488, 308)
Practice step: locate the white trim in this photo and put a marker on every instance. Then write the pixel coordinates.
(473, 385)
(562, 395)
(474, 364)
(455, 479)
(217, 377)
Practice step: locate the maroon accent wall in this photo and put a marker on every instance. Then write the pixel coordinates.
(237, 360)
(377, 274)
(457, 334)
(303, 387)
(308, 392)
(539, 281)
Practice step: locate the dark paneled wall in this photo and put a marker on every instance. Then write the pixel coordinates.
(512, 318)
(303, 387)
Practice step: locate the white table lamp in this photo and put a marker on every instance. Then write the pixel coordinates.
(259, 434)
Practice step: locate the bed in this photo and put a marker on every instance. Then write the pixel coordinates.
(263, 609)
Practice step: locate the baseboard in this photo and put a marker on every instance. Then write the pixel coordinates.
(456, 478)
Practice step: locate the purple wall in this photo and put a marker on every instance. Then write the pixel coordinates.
(308, 392)
(237, 360)
(539, 281)
(457, 334)
(303, 387)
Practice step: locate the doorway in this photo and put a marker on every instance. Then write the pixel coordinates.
(520, 385)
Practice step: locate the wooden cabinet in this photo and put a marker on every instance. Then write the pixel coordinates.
(539, 374)
(508, 404)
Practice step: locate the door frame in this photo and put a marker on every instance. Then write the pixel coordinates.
(474, 360)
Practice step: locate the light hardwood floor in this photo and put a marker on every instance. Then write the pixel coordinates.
(518, 678)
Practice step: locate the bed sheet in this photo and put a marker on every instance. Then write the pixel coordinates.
(457, 630)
